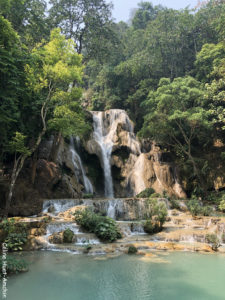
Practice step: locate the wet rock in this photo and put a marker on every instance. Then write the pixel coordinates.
(56, 238)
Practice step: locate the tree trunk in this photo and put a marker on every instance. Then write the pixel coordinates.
(34, 167)
(18, 165)
(196, 172)
(55, 147)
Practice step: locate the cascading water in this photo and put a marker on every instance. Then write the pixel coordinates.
(78, 167)
(105, 132)
(106, 145)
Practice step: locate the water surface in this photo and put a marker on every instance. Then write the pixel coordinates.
(64, 276)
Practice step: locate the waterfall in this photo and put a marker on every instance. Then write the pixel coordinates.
(106, 149)
(106, 135)
(78, 167)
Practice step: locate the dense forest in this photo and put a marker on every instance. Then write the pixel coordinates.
(165, 67)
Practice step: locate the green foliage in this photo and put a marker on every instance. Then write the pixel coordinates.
(28, 18)
(54, 74)
(197, 210)
(14, 265)
(16, 234)
(87, 196)
(155, 195)
(68, 236)
(132, 250)
(157, 216)
(86, 22)
(151, 227)
(222, 205)
(213, 240)
(17, 144)
(206, 211)
(15, 241)
(194, 207)
(146, 193)
(174, 204)
(104, 227)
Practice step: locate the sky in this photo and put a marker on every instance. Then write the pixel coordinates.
(123, 8)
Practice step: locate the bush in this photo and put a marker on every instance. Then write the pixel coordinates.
(157, 217)
(104, 227)
(14, 265)
(16, 234)
(68, 236)
(106, 230)
(197, 210)
(132, 250)
(15, 241)
(88, 196)
(151, 227)
(222, 205)
(174, 204)
(146, 193)
(155, 195)
(206, 210)
(194, 207)
(158, 211)
(213, 240)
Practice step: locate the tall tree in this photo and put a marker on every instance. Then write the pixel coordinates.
(87, 22)
(177, 118)
(28, 18)
(52, 69)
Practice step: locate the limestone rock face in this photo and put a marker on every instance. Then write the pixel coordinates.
(136, 165)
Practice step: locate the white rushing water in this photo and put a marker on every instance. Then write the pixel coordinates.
(106, 144)
(105, 134)
(78, 167)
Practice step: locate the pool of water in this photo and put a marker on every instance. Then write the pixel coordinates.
(63, 276)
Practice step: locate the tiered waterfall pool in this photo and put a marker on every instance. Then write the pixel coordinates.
(161, 275)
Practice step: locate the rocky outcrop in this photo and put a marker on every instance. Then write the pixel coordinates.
(135, 165)
(53, 180)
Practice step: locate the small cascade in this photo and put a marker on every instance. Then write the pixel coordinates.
(57, 206)
(61, 226)
(111, 212)
(78, 167)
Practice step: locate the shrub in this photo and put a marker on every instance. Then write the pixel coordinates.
(151, 227)
(68, 236)
(14, 265)
(194, 207)
(197, 210)
(174, 204)
(15, 234)
(155, 195)
(15, 241)
(146, 193)
(132, 250)
(206, 210)
(107, 230)
(213, 240)
(158, 211)
(86, 219)
(104, 227)
(157, 217)
(222, 205)
(88, 196)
